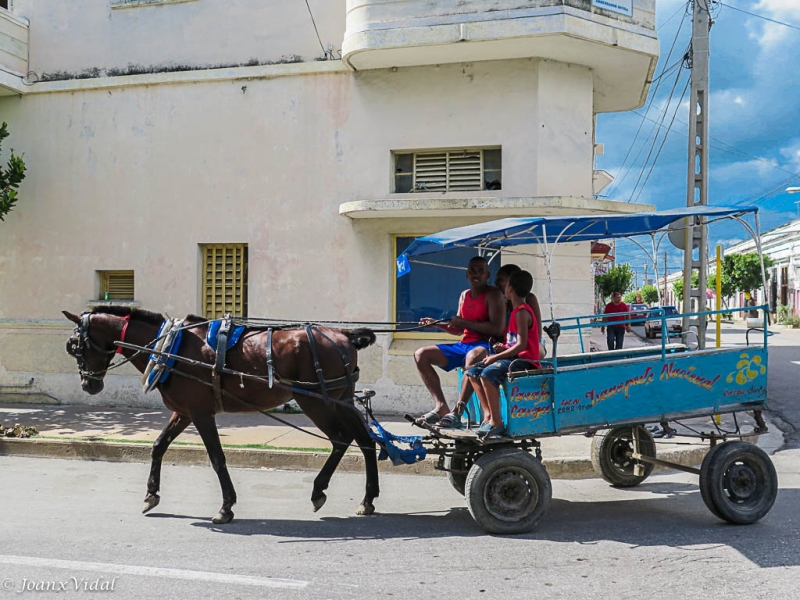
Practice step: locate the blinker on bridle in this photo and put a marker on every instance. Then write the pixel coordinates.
(80, 340)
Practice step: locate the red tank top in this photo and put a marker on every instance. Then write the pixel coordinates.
(475, 309)
(531, 350)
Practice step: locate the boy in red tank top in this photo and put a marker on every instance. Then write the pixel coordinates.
(481, 315)
(521, 346)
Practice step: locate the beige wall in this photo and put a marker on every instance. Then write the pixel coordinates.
(85, 34)
(135, 177)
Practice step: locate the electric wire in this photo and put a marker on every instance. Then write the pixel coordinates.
(655, 137)
(657, 81)
(741, 10)
(314, 23)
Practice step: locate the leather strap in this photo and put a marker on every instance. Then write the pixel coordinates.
(270, 366)
(320, 376)
(219, 363)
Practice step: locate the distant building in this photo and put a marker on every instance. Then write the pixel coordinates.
(190, 156)
(782, 245)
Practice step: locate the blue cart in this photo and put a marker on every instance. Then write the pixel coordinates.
(611, 395)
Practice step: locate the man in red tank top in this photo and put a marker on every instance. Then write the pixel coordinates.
(481, 315)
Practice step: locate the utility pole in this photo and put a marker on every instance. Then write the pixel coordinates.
(697, 183)
(663, 298)
(645, 274)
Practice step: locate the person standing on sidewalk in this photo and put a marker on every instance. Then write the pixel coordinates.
(617, 325)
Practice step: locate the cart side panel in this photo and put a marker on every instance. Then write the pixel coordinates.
(529, 408)
(651, 390)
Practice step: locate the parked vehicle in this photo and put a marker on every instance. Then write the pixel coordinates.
(652, 327)
(639, 311)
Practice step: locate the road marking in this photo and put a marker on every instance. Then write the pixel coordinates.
(30, 561)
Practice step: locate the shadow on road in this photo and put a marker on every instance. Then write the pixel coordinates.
(678, 518)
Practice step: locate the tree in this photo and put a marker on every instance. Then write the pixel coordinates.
(744, 272)
(649, 294)
(677, 285)
(10, 178)
(617, 279)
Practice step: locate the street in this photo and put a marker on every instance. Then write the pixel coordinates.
(78, 522)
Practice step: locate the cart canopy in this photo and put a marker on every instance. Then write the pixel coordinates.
(536, 230)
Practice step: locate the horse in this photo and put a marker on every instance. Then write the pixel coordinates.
(189, 393)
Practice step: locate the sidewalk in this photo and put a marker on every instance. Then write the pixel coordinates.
(257, 441)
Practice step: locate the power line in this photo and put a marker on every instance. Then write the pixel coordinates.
(314, 23)
(655, 137)
(657, 81)
(664, 139)
(760, 16)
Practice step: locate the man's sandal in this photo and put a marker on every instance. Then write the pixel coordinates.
(431, 418)
(450, 421)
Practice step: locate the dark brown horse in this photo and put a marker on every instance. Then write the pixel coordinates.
(194, 401)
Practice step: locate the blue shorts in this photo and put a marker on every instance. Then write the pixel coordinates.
(456, 353)
(497, 372)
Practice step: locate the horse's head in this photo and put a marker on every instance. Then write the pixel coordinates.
(92, 345)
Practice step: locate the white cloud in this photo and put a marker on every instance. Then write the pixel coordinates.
(771, 35)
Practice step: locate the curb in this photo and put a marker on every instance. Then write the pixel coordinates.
(251, 458)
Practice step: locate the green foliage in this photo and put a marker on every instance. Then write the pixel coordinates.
(677, 285)
(783, 313)
(630, 297)
(744, 271)
(617, 279)
(10, 177)
(649, 294)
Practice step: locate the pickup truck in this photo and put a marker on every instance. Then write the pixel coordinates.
(652, 327)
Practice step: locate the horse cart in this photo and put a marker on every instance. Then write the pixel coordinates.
(611, 395)
(203, 367)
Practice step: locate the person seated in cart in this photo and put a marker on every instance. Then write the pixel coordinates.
(521, 347)
(481, 316)
(453, 419)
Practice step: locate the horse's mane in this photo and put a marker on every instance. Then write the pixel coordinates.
(194, 319)
(135, 313)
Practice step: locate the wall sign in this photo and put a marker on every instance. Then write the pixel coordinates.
(623, 7)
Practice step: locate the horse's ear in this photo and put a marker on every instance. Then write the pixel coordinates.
(74, 318)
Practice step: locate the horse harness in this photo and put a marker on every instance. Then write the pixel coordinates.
(273, 377)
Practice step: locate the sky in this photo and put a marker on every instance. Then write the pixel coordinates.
(754, 121)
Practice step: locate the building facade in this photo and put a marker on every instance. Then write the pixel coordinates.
(187, 156)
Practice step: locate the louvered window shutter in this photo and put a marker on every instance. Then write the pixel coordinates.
(224, 280)
(116, 285)
(450, 171)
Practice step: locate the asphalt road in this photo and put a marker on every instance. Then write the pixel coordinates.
(78, 521)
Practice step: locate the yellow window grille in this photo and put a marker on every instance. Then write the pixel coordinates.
(224, 280)
(116, 285)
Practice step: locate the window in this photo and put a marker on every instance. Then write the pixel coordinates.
(116, 285)
(224, 280)
(432, 290)
(448, 171)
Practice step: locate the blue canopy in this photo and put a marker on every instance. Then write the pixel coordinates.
(534, 230)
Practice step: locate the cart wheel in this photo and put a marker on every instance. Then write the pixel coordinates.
(611, 455)
(508, 491)
(738, 482)
(457, 468)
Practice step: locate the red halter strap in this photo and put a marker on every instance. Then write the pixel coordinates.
(124, 331)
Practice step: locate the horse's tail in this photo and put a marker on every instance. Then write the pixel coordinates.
(361, 338)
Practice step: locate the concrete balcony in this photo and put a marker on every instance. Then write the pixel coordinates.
(621, 49)
(13, 52)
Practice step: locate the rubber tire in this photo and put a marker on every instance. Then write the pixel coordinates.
(509, 471)
(755, 469)
(607, 457)
(457, 480)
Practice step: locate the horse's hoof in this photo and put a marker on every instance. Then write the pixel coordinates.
(223, 517)
(150, 502)
(319, 502)
(365, 509)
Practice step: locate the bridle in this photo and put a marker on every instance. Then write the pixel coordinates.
(80, 341)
